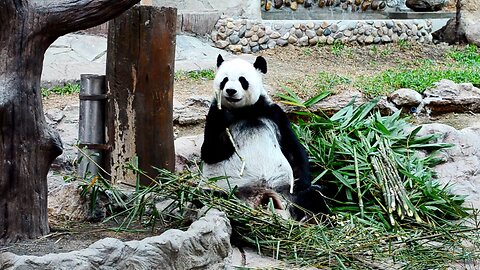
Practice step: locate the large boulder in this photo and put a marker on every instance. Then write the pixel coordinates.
(205, 245)
(462, 161)
(405, 97)
(469, 26)
(447, 96)
(426, 5)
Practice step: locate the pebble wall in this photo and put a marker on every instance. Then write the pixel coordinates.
(246, 36)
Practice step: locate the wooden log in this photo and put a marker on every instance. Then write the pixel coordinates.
(140, 74)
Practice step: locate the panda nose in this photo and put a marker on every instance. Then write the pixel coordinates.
(231, 92)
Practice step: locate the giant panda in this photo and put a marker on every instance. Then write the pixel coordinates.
(274, 160)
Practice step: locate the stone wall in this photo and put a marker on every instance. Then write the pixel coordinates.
(246, 36)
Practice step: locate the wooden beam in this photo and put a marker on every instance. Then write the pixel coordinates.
(140, 74)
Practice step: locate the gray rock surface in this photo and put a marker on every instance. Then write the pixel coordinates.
(447, 96)
(426, 5)
(192, 111)
(74, 54)
(406, 97)
(469, 25)
(66, 204)
(462, 161)
(187, 151)
(205, 245)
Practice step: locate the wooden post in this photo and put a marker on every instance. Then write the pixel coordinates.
(139, 75)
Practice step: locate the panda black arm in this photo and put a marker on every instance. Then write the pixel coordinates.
(216, 145)
(291, 147)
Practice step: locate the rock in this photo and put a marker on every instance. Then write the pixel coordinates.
(221, 44)
(275, 35)
(241, 32)
(327, 32)
(268, 5)
(448, 96)
(187, 151)
(472, 31)
(369, 39)
(205, 245)
(303, 41)
(333, 103)
(313, 41)
(426, 5)
(385, 106)
(461, 161)
(294, 5)
(260, 33)
(469, 21)
(193, 111)
(338, 35)
(330, 40)
(234, 39)
(449, 89)
(298, 33)
(235, 48)
(282, 42)
(307, 3)
(405, 97)
(310, 33)
(386, 39)
(322, 39)
(263, 40)
(271, 44)
(66, 205)
(278, 3)
(249, 33)
(292, 39)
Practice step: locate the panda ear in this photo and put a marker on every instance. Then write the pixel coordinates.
(261, 64)
(219, 60)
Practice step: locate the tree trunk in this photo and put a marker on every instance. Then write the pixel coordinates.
(27, 144)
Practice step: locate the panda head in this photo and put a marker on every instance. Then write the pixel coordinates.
(238, 82)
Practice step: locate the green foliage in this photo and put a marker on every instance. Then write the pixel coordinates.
(372, 160)
(312, 85)
(352, 243)
(67, 89)
(418, 79)
(423, 73)
(337, 48)
(404, 44)
(469, 55)
(196, 75)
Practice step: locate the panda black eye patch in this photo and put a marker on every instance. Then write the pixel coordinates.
(243, 82)
(222, 84)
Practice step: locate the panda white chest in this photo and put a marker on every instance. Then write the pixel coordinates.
(265, 163)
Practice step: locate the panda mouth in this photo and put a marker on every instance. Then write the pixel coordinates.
(233, 100)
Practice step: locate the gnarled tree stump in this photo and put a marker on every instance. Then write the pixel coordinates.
(27, 144)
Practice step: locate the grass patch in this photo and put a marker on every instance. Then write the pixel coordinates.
(418, 79)
(424, 73)
(67, 89)
(466, 56)
(196, 75)
(462, 65)
(311, 85)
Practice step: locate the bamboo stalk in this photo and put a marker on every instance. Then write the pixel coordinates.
(359, 190)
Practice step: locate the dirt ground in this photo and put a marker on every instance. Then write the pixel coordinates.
(290, 65)
(286, 66)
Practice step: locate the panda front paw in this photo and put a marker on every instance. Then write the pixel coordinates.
(223, 117)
